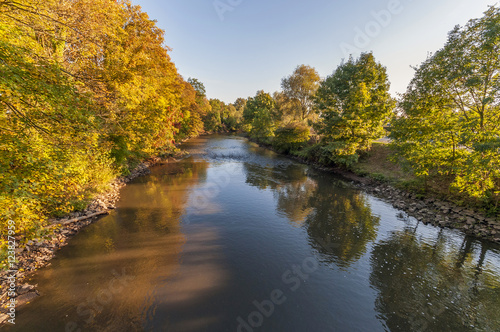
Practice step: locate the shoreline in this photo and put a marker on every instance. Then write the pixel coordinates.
(428, 209)
(39, 252)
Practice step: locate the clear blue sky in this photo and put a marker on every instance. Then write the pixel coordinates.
(247, 45)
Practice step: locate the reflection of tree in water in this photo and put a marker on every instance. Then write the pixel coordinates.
(152, 204)
(270, 176)
(164, 199)
(293, 199)
(433, 287)
(291, 187)
(141, 241)
(341, 223)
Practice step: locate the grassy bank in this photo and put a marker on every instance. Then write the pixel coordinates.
(377, 165)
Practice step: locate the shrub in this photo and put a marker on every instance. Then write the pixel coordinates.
(291, 137)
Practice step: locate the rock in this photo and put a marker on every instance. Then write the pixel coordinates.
(3, 317)
(468, 213)
(25, 298)
(491, 221)
(470, 221)
(24, 289)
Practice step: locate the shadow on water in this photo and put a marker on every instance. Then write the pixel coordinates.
(338, 220)
(435, 286)
(106, 279)
(186, 251)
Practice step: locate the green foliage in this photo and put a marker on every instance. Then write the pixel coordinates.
(87, 90)
(291, 137)
(194, 108)
(198, 86)
(450, 114)
(233, 118)
(213, 118)
(299, 90)
(260, 115)
(355, 104)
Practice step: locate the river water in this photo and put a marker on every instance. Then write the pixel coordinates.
(237, 238)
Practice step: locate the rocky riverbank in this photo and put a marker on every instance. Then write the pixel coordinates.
(437, 212)
(38, 253)
(428, 210)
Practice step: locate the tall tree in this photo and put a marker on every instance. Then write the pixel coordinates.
(86, 86)
(198, 86)
(213, 119)
(300, 88)
(355, 104)
(260, 116)
(450, 122)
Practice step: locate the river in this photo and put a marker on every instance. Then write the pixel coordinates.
(237, 238)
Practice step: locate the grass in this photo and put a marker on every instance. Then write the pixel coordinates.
(376, 164)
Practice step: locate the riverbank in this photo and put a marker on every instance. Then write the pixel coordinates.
(38, 252)
(380, 177)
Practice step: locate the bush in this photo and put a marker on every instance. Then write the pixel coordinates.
(291, 137)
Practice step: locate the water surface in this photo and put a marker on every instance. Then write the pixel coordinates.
(237, 238)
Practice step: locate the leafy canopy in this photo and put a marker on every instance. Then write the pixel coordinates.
(450, 121)
(355, 104)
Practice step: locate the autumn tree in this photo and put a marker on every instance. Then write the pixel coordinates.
(191, 124)
(450, 121)
(195, 107)
(354, 103)
(198, 86)
(50, 156)
(286, 108)
(87, 90)
(240, 104)
(300, 88)
(213, 119)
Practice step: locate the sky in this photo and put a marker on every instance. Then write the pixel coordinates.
(237, 47)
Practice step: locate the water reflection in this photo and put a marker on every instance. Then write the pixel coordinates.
(105, 280)
(142, 269)
(293, 199)
(435, 286)
(339, 220)
(341, 224)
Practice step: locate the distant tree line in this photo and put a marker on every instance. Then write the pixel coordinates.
(446, 126)
(88, 90)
